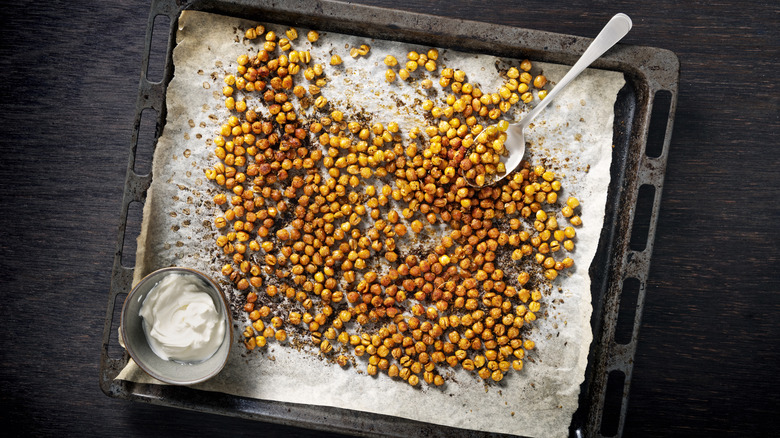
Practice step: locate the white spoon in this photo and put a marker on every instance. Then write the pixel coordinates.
(613, 32)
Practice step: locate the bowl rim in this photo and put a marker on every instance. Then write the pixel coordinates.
(227, 318)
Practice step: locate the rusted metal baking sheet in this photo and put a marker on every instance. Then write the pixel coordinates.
(644, 113)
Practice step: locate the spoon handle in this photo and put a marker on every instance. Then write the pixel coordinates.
(613, 32)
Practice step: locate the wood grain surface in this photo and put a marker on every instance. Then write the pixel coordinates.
(709, 347)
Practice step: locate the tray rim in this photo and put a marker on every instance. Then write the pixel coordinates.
(654, 69)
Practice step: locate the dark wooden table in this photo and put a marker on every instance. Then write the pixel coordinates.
(709, 349)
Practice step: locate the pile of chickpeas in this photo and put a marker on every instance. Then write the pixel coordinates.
(368, 241)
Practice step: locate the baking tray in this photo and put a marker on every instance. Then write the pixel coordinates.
(644, 112)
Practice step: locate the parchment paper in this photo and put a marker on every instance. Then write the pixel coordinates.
(573, 137)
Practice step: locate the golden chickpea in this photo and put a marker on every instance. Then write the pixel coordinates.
(291, 33)
(251, 33)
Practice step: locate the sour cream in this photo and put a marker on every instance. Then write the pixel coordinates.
(181, 321)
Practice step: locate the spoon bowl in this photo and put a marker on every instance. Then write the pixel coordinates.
(612, 32)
